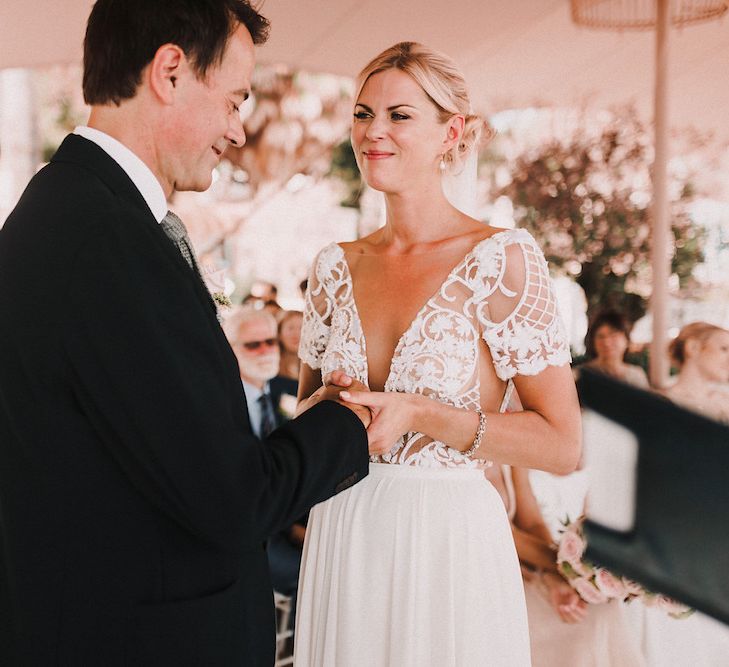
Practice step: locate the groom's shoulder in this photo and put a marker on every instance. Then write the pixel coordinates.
(66, 200)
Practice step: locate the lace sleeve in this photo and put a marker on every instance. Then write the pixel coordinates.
(521, 322)
(318, 305)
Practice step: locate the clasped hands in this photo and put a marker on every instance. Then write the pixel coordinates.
(385, 415)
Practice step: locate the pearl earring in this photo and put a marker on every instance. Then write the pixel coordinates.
(442, 164)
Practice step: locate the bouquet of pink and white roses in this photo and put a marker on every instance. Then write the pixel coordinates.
(597, 585)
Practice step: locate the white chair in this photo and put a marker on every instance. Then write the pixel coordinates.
(283, 614)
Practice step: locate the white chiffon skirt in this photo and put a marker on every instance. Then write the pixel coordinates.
(412, 566)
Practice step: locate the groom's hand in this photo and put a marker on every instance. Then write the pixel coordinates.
(334, 383)
(341, 380)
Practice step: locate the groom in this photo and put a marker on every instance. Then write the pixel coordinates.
(134, 499)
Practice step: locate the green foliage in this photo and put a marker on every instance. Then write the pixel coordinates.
(586, 200)
(344, 167)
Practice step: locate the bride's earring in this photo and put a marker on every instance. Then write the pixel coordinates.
(442, 164)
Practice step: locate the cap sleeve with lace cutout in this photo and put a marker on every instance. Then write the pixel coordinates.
(516, 306)
(325, 280)
(331, 335)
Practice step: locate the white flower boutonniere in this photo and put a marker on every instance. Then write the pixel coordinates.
(219, 286)
(287, 405)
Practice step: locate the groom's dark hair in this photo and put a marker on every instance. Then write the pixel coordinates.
(122, 37)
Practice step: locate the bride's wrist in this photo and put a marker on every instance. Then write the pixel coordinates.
(478, 428)
(418, 408)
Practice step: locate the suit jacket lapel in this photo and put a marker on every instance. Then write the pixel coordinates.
(84, 153)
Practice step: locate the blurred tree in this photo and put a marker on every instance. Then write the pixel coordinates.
(293, 123)
(344, 167)
(587, 201)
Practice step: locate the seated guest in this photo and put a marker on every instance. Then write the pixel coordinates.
(267, 295)
(701, 353)
(564, 631)
(253, 336)
(259, 303)
(607, 346)
(289, 334)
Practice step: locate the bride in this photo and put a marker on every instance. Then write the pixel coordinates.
(440, 317)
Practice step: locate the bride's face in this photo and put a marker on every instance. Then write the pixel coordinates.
(713, 357)
(397, 136)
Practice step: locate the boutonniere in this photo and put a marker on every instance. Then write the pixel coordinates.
(287, 405)
(221, 299)
(220, 288)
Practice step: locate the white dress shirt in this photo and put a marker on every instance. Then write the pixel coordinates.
(139, 173)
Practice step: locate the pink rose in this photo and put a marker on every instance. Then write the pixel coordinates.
(587, 591)
(571, 548)
(632, 588)
(673, 608)
(612, 587)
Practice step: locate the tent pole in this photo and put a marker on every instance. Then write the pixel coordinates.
(660, 256)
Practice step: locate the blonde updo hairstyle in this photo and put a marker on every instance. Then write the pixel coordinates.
(442, 82)
(700, 331)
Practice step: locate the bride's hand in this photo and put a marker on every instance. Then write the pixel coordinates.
(393, 414)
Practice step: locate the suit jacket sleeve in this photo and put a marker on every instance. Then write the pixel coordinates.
(153, 375)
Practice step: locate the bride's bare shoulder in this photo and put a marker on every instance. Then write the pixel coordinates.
(358, 247)
(367, 245)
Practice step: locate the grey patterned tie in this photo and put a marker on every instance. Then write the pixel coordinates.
(177, 233)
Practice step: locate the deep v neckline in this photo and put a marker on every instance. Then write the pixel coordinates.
(418, 314)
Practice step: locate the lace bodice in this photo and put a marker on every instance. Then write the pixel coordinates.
(500, 292)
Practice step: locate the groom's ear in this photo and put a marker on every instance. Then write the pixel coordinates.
(164, 71)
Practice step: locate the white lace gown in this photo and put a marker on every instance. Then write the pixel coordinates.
(416, 565)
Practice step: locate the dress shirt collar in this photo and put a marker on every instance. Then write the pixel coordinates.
(254, 393)
(254, 407)
(139, 173)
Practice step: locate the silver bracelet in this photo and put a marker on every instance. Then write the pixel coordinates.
(479, 434)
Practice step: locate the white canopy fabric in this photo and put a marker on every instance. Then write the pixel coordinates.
(515, 53)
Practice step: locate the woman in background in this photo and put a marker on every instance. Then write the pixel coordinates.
(289, 335)
(607, 345)
(701, 354)
(564, 631)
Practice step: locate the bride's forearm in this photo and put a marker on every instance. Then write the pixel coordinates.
(453, 426)
(525, 439)
(528, 439)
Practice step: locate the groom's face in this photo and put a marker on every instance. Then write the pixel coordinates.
(207, 117)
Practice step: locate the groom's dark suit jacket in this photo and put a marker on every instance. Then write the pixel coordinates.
(134, 500)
